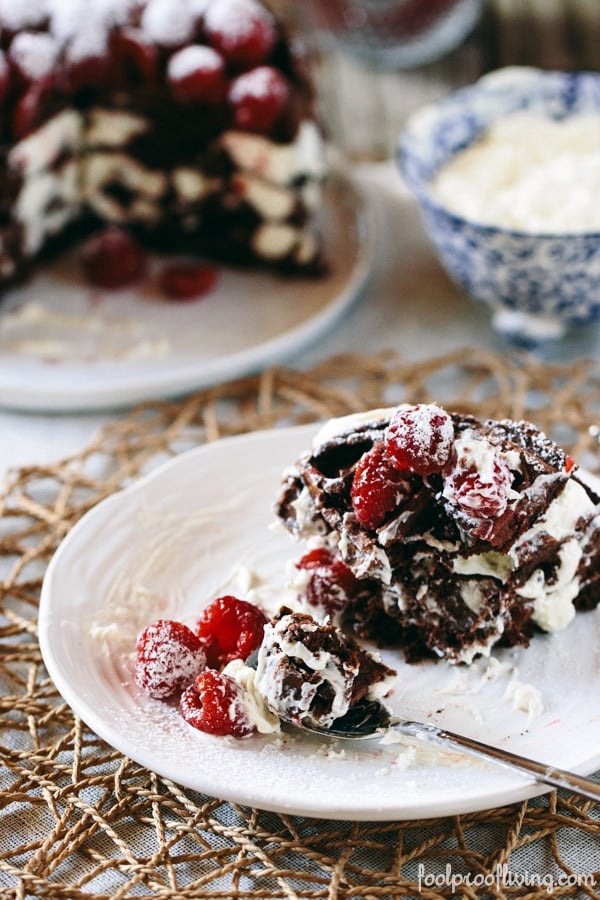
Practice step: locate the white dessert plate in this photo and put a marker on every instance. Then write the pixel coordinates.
(199, 527)
(67, 347)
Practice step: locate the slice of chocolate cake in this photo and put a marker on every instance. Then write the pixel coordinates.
(189, 121)
(466, 533)
(314, 672)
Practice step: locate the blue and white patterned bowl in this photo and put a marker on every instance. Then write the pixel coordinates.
(538, 285)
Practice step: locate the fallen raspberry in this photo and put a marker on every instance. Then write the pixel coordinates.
(230, 629)
(187, 281)
(113, 259)
(169, 656)
(214, 704)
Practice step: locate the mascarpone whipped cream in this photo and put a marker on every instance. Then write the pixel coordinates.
(255, 708)
(528, 172)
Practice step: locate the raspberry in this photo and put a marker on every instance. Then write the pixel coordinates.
(258, 98)
(480, 492)
(135, 57)
(187, 281)
(331, 585)
(113, 259)
(419, 438)
(242, 30)
(168, 658)
(213, 703)
(377, 488)
(230, 629)
(196, 74)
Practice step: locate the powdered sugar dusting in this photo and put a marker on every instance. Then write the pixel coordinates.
(234, 19)
(18, 14)
(262, 82)
(419, 438)
(34, 53)
(193, 59)
(167, 22)
(88, 43)
(430, 424)
(166, 663)
(198, 7)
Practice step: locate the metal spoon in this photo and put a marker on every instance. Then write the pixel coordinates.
(369, 719)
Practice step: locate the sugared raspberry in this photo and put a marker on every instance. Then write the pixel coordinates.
(169, 656)
(377, 487)
(113, 259)
(258, 98)
(419, 438)
(187, 281)
(213, 703)
(480, 484)
(242, 30)
(331, 585)
(230, 629)
(135, 56)
(88, 60)
(196, 74)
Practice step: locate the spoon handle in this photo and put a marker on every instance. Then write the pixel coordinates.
(558, 778)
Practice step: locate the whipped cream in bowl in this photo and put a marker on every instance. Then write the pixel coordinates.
(505, 173)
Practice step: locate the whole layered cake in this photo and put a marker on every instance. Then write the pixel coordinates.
(443, 533)
(189, 122)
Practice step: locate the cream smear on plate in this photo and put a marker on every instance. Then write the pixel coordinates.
(528, 172)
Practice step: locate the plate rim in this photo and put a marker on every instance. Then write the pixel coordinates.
(491, 798)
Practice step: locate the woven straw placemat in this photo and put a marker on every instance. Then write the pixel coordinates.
(78, 819)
